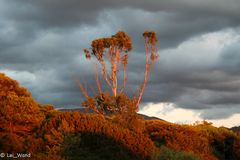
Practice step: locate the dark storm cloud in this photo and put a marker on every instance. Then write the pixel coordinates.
(60, 12)
(45, 39)
(174, 20)
(172, 27)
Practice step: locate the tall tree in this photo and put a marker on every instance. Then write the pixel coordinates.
(115, 49)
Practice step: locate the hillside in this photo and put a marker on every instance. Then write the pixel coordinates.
(46, 133)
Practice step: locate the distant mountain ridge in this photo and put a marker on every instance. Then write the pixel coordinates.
(235, 129)
(85, 110)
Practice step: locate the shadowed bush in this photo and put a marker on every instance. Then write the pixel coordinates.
(168, 154)
(89, 146)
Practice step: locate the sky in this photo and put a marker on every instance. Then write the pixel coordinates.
(197, 76)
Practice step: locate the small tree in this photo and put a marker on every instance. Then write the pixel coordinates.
(150, 40)
(117, 48)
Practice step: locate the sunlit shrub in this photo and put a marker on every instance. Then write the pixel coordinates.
(19, 115)
(138, 143)
(180, 138)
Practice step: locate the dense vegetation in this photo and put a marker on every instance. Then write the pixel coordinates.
(46, 133)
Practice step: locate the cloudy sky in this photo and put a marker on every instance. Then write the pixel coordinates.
(197, 76)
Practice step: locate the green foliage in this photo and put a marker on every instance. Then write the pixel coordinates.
(90, 146)
(223, 141)
(168, 154)
(224, 149)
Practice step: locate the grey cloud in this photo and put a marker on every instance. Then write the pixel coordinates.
(230, 58)
(172, 28)
(46, 38)
(58, 10)
(174, 20)
(210, 83)
(199, 89)
(220, 112)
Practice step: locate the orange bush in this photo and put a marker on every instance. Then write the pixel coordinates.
(180, 138)
(19, 115)
(74, 122)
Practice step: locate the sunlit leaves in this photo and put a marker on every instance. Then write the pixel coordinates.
(19, 114)
(150, 37)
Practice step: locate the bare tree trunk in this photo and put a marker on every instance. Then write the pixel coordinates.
(97, 79)
(124, 60)
(124, 78)
(146, 75)
(105, 73)
(82, 89)
(114, 73)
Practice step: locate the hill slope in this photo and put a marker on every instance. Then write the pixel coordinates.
(46, 133)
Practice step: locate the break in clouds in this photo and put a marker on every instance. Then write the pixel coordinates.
(41, 46)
